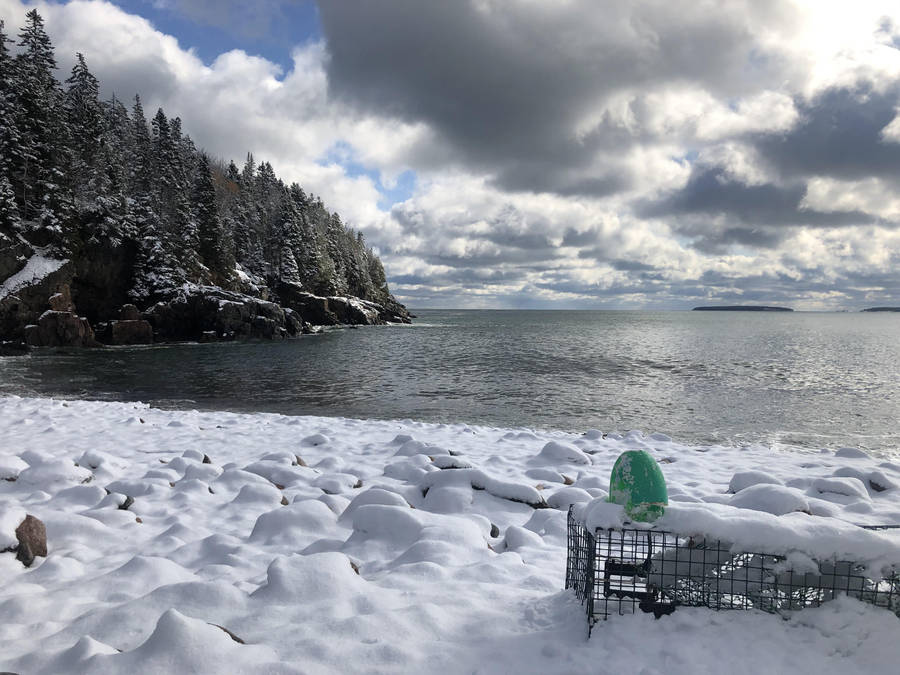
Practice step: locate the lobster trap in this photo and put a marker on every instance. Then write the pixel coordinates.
(625, 570)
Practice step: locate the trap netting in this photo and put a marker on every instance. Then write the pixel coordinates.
(620, 571)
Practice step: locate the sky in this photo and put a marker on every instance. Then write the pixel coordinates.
(624, 154)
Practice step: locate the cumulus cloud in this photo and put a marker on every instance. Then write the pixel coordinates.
(632, 154)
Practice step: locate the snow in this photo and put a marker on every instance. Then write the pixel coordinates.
(769, 498)
(388, 554)
(37, 267)
(744, 479)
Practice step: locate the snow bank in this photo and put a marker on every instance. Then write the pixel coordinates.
(162, 561)
(35, 269)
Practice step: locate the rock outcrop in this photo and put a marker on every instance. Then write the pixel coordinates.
(196, 311)
(25, 296)
(48, 302)
(60, 329)
(335, 310)
(129, 329)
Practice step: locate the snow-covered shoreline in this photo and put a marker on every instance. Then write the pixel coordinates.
(341, 545)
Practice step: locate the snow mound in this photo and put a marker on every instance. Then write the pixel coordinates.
(770, 498)
(851, 453)
(11, 466)
(562, 498)
(54, 472)
(11, 516)
(559, 453)
(849, 487)
(413, 447)
(309, 578)
(478, 480)
(373, 496)
(744, 479)
(183, 644)
(295, 525)
(336, 483)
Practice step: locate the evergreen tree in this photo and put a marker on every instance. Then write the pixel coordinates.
(215, 249)
(9, 211)
(9, 134)
(41, 156)
(141, 160)
(85, 119)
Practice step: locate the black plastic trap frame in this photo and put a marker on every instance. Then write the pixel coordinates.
(621, 571)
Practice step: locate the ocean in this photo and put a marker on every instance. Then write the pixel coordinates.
(815, 380)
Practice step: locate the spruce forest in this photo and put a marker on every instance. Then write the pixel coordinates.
(80, 175)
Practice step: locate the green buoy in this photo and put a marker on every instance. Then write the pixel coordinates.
(638, 484)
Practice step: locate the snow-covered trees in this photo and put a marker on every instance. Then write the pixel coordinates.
(41, 155)
(77, 171)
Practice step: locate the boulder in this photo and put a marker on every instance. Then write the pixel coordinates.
(138, 332)
(32, 536)
(62, 300)
(60, 329)
(129, 313)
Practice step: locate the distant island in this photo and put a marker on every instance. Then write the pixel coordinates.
(743, 308)
(882, 309)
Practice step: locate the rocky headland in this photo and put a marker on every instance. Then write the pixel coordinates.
(47, 301)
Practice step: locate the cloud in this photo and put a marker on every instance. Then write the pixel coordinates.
(644, 154)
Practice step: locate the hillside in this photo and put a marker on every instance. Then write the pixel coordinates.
(101, 209)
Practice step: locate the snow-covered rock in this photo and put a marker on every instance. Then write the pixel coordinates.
(744, 479)
(771, 498)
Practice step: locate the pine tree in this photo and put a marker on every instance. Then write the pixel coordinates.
(9, 133)
(85, 119)
(9, 211)
(41, 156)
(334, 241)
(215, 251)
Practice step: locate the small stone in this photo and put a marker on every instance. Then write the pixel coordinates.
(495, 531)
(300, 461)
(32, 536)
(206, 459)
(358, 484)
(284, 501)
(568, 481)
(127, 503)
(138, 520)
(354, 566)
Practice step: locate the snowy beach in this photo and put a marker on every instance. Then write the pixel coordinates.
(337, 545)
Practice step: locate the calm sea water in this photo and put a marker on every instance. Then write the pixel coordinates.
(810, 379)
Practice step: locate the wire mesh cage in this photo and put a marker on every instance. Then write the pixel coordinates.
(621, 571)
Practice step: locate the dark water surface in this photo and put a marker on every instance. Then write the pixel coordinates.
(811, 379)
